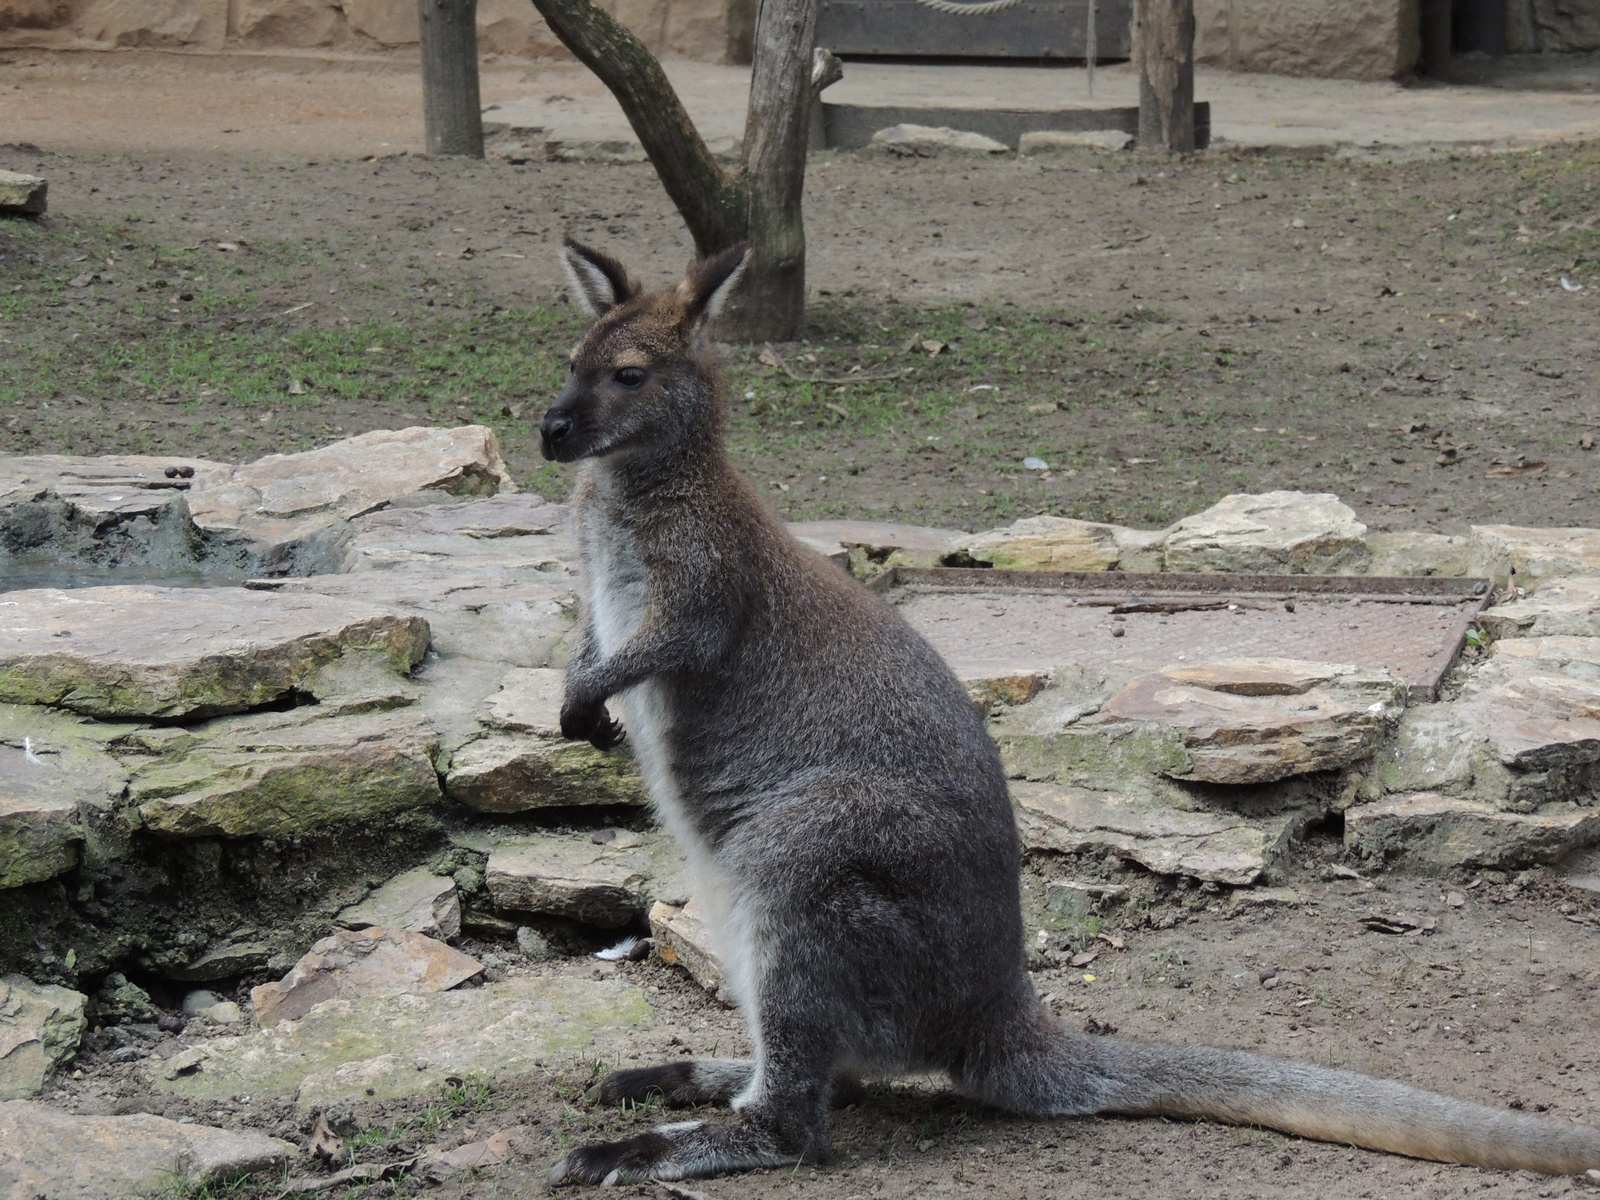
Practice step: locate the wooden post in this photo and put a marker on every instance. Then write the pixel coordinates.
(1163, 46)
(452, 112)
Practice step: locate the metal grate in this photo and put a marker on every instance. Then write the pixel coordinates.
(1413, 627)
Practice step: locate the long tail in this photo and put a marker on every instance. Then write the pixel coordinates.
(1331, 1106)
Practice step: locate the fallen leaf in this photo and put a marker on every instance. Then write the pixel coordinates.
(1112, 940)
(769, 357)
(933, 348)
(1084, 959)
(1455, 899)
(1586, 442)
(83, 280)
(325, 1143)
(1511, 470)
(487, 1153)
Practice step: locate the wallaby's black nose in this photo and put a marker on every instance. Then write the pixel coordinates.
(553, 430)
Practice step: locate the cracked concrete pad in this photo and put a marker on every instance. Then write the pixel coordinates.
(1047, 544)
(1274, 533)
(276, 773)
(418, 901)
(1206, 845)
(605, 884)
(45, 1152)
(278, 503)
(40, 1025)
(1531, 557)
(1428, 830)
(407, 1045)
(684, 939)
(350, 963)
(1536, 718)
(118, 652)
(1263, 719)
(1563, 607)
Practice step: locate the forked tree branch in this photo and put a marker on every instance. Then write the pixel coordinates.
(712, 201)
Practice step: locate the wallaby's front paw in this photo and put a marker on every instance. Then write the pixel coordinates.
(582, 722)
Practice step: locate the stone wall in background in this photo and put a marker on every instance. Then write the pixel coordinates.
(1344, 39)
(703, 30)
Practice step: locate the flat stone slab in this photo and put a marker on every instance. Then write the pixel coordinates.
(867, 547)
(408, 1045)
(1535, 717)
(1405, 552)
(1531, 556)
(684, 939)
(417, 901)
(281, 501)
(119, 652)
(1428, 830)
(1206, 845)
(1578, 657)
(279, 773)
(351, 963)
(606, 884)
(1273, 533)
(24, 194)
(1562, 607)
(1047, 544)
(101, 486)
(45, 1152)
(40, 1025)
(1257, 720)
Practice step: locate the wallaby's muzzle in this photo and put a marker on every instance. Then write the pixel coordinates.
(555, 429)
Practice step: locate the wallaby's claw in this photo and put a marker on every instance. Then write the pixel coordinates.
(608, 733)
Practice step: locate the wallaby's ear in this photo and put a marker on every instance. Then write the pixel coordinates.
(711, 281)
(600, 281)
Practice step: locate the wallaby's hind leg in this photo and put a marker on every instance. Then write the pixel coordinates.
(693, 1082)
(677, 1084)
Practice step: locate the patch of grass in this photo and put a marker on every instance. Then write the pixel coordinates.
(176, 1185)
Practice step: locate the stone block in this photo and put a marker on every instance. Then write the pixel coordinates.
(1274, 533)
(120, 652)
(1536, 718)
(1340, 39)
(1532, 557)
(598, 883)
(1245, 721)
(45, 1152)
(684, 939)
(1431, 831)
(1220, 846)
(351, 963)
(24, 194)
(1047, 543)
(869, 547)
(509, 773)
(416, 901)
(154, 23)
(1408, 553)
(1563, 607)
(931, 139)
(271, 774)
(40, 1025)
(1046, 141)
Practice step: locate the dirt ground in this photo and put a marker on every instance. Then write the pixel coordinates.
(1161, 333)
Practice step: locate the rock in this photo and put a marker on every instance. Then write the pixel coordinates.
(533, 945)
(198, 1000)
(1047, 543)
(1275, 533)
(278, 773)
(683, 938)
(929, 139)
(1220, 846)
(1043, 141)
(367, 962)
(1431, 750)
(1410, 554)
(295, 508)
(123, 1003)
(344, 1047)
(1578, 657)
(1562, 607)
(1259, 720)
(1079, 897)
(417, 901)
(184, 1061)
(48, 1153)
(1261, 897)
(224, 960)
(40, 1025)
(1582, 869)
(607, 885)
(1430, 831)
(873, 546)
(225, 1012)
(988, 685)
(1533, 556)
(1140, 549)
(529, 701)
(1536, 718)
(501, 535)
(118, 652)
(25, 194)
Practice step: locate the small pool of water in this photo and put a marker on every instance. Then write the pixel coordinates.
(28, 571)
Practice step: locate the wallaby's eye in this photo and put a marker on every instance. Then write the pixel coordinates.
(629, 377)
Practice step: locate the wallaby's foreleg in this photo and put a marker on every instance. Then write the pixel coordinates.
(591, 724)
(692, 1082)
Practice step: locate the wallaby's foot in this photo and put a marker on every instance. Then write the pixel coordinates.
(677, 1085)
(688, 1150)
(590, 723)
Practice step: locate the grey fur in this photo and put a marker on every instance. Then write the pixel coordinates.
(846, 813)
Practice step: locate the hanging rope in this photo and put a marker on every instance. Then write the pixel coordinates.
(955, 9)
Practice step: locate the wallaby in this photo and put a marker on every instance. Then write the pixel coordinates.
(844, 811)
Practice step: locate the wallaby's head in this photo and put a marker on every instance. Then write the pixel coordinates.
(641, 377)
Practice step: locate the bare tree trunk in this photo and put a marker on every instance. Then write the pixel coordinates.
(1163, 46)
(452, 112)
(771, 303)
(712, 201)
